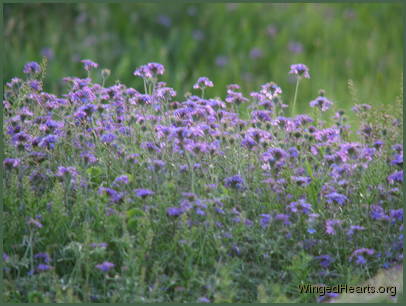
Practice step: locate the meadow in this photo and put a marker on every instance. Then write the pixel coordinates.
(155, 172)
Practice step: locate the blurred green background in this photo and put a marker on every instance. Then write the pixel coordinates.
(247, 44)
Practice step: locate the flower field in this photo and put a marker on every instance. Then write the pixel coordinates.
(117, 194)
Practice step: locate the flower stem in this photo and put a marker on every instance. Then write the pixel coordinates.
(295, 97)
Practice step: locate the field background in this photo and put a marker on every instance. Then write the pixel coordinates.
(247, 44)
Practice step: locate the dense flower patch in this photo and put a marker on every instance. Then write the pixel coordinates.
(120, 194)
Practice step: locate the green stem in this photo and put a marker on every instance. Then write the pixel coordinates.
(295, 97)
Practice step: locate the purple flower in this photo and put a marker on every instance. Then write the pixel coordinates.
(48, 141)
(256, 53)
(322, 103)
(378, 213)
(122, 179)
(10, 163)
(150, 70)
(44, 256)
(325, 260)
(35, 222)
(398, 160)
(358, 108)
(203, 300)
(202, 83)
(174, 211)
(301, 180)
(396, 177)
(111, 193)
(108, 138)
(63, 171)
(354, 228)
(99, 245)
(335, 197)
(105, 266)
(300, 70)
(221, 60)
(265, 219)
(31, 68)
(358, 254)
(301, 205)
(88, 64)
(235, 181)
(164, 20)
(330, 230)
(143, 193)
(295, 47)
(396, 215)
(43, 267)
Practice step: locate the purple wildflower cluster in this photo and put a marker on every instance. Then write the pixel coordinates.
(197, 163)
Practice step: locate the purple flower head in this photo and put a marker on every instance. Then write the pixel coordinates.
(359, 108)
(265, 219)
(301, 180)
(284, 218)
(236, 98)
(398, 160)
(143, 193)
(322, 103)
(221, 60)
(335, 197)
(150, 70)
(99, 245)
(396, 215)
(35, 84)
(32, 68)
(43, 267)
(295, 47)
(10, 163)
(300, 206)
(88, 157)
(256, 53)
(300, 70)
(270, 90)
(325, 260)
(202, 83)
(330, 230)
(63, 171)
(122, 179)
(164, 20)
(108, 138)
(235, 181)
(113, 195)
(358, 254)
(174, 211)
(44, 256)
(88, 64)
(396, 177)
(354, 228)
(378, 213)
(105, 266)
(203, 300)
(35, 223)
